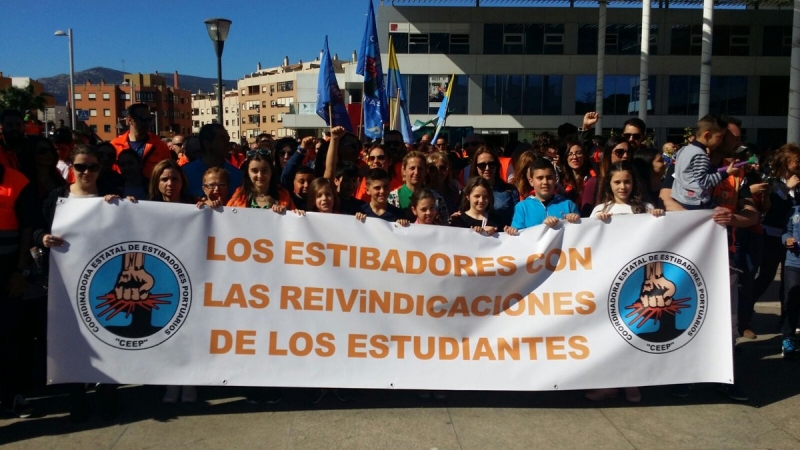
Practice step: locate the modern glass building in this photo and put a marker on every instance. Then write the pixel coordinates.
(522, 67)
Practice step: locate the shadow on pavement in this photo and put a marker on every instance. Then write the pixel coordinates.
(761, 372)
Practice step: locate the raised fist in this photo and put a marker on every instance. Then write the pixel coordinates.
(133, 283)
(657, 291)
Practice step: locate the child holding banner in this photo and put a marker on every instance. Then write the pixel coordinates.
(545, 206)
(621, 194)
(477, 211)
(423, 206)
(215, 187)
(260, 188)
(379, 206)
(322, 197)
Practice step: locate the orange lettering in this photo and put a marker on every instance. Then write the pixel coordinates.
(221, 342)
(211, 254)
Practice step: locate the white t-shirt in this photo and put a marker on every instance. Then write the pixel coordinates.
(617, 209)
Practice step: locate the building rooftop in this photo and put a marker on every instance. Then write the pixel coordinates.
(755, 4)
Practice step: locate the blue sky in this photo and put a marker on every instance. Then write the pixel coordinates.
(170, 35)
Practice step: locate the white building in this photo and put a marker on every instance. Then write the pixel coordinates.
(523, 70)
(204, 111)
(282, 100)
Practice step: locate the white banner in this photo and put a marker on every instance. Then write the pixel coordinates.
(159, 293)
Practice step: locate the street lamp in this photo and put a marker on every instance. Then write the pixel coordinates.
(73, 111)
(218, 32)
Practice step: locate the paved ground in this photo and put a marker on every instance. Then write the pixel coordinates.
(468, 420)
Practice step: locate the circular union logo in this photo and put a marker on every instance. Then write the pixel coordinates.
(134, 295)
(658, 302)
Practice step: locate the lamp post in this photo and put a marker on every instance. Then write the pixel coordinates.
(72, 121)
(218, 32)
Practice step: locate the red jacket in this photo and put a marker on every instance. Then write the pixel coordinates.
(155, 151)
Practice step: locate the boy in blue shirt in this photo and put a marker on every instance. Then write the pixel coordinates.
(545, 206)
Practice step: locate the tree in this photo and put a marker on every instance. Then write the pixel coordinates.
(22, 99)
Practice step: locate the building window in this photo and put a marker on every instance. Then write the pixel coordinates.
(777, 41)
(621, 94)
(78, 96)
(107, 112)
(459, 44)
(727, 40)
(519, 39)
(106, 96)
(731, 40)
(252, 90)
(272, 119)
(148, 97)
(400, 41)
(439, 43)
(418, 43)
(285, 86)
(621, 39)
(522, 94)
(92, 97)
(93, 128)
(93, 112)
(773, 99)
(728, 95)
(264, 119)
(106, 128)
(426, 91)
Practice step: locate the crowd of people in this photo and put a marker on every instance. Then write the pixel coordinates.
(565, 176)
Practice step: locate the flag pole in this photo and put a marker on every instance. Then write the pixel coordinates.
(361, 123)
(396, 109)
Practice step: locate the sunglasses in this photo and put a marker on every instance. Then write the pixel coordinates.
(215, 186)
(260, 152)
(635, 136)
(376, 158)
(620, 152)
(491, 164)
(81, 168)
(575, 155)
(442, 168)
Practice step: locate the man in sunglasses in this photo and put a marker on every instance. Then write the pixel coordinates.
(633, 131)
(150, 148)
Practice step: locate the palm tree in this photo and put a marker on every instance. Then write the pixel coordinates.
(22, 99)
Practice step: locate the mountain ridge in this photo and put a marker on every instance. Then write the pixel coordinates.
(58, 85)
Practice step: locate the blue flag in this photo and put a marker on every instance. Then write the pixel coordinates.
(369, 65)
(442, 114)
(329, 97)
(396, 92)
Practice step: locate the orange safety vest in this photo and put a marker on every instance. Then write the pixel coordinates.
(155, 151)
(13, 183)
(32, 128)
(505, 162)
(239, 200)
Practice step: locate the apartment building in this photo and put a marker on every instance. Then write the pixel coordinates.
(268, 96)
(107, 104)
(204, 111)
